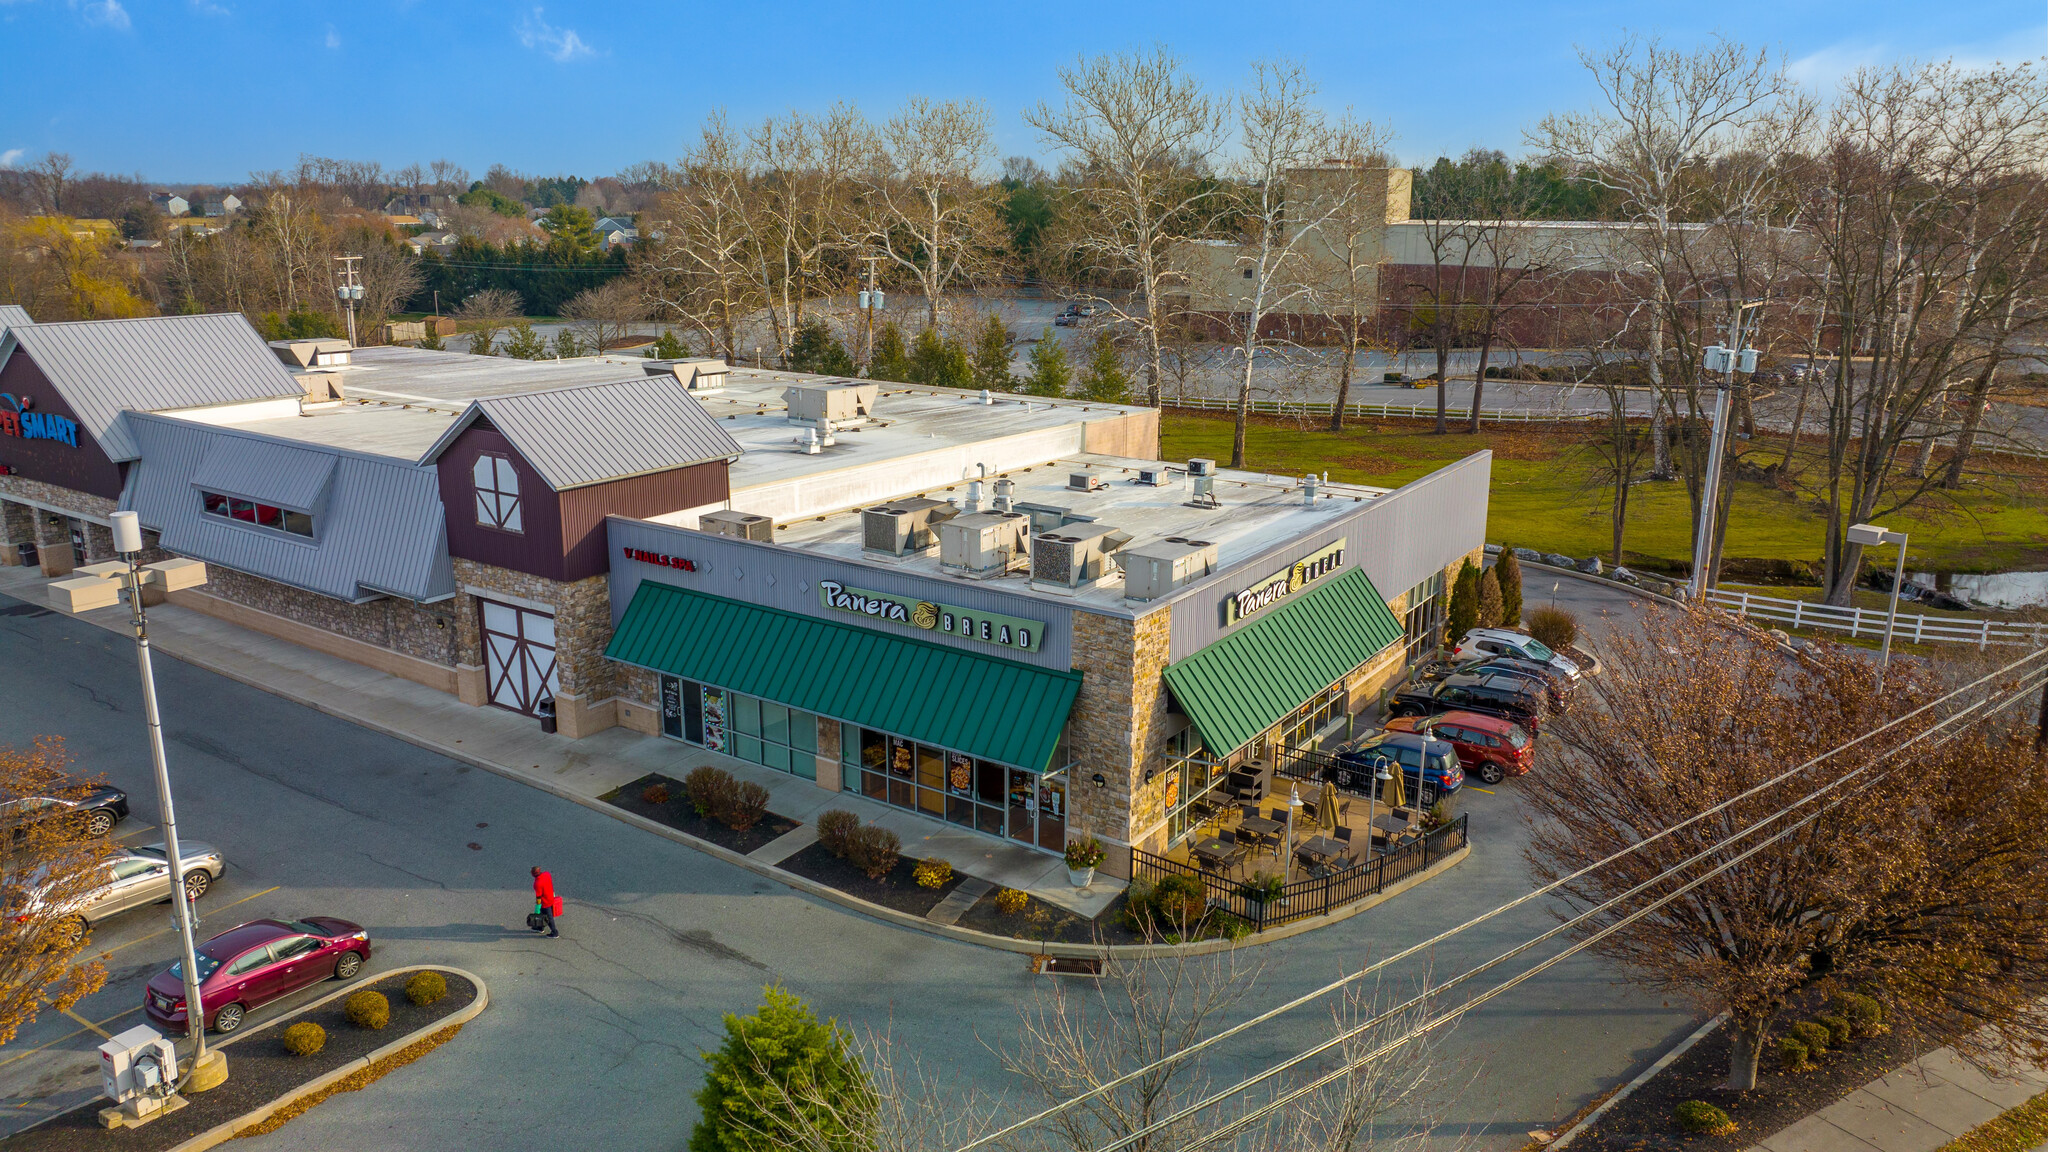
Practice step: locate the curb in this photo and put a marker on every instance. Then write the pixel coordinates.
(800, 883)
(221, 1133)
(1628, 1089)
(811, 887)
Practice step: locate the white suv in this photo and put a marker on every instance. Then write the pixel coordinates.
(1481, 642)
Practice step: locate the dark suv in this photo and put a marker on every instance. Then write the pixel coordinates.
(1493, 693)
(1429, 768)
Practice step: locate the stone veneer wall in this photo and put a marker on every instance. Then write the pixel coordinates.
(583, 623)
(48, 531)
(1118, 727)
(422, 631)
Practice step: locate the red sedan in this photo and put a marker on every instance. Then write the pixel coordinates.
(1488, 747)
(254, 964)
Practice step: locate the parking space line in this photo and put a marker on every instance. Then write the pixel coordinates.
(1477, 788)
(168, 931)
(89, 1025)
(68, 1035)
(132, 833)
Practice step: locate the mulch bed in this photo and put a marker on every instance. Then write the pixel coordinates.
(679, 815)
(1644, 1123)
(898, 890)
(1046, 921)
(259, 1071)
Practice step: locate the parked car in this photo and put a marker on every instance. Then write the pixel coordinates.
(93, 809)
(1067, 319)
(1501, 642)
(1429, 768)
(1494, 694)
(1082, 309)
(1488, 747)
(255, 963)
(1556, 686)
(134, 877)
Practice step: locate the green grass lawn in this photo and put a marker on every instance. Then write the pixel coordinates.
(1540, 499)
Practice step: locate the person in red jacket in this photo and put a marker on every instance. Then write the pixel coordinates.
(546, 904)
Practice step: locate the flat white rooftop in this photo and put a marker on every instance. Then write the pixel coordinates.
(1254, 513)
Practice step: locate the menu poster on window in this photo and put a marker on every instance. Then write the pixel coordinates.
(714, 718)
(672, 706)
(960, 773)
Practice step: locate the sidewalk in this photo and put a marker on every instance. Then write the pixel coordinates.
(1918, 1108)
(580, 770)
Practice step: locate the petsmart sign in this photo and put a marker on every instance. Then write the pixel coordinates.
(967, 624)
(1281, 585)
(17, 420)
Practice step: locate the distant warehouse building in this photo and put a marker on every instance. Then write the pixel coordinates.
(1001, 612)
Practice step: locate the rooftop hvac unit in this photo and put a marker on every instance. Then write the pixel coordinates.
(1074, 555)
(901, 527)
(840, 402)
(983, 542)
(1152, 476)
(1164, 565)
(1201, 466)
(1044, 517)
(740, 525)
(1085, 482)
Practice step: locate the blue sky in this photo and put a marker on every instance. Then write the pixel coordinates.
(209, 90)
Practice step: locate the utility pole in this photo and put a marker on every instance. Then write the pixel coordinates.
(350, 290)
(1728, 361)
(870, 302)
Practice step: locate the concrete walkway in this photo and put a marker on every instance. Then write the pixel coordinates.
(1918, 1108)
(588, 768)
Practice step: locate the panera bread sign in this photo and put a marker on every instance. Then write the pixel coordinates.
(966, 624)
(1280, 585)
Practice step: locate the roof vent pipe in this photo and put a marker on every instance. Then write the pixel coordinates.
(973, 496)
(1309, 484)
(986, 398)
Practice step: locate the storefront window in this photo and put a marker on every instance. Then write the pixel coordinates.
(1424, 620)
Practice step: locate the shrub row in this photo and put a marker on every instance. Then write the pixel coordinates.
(717, 795)
(1849, 1016)
(869, 847)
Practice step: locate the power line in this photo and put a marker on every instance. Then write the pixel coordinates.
(2013, 696)
(1545, 890)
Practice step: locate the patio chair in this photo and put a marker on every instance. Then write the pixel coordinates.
(1237, 851)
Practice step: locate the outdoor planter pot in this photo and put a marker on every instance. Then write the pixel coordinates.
(1080, 877)
(1083, 856)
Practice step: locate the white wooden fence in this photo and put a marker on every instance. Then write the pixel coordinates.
(1870, 621)
(1414, 411)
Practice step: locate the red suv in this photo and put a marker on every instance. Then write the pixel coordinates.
(254, 964)
(1488, 747)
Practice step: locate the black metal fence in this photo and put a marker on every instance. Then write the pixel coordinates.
(1352, 776)
(1314, 895)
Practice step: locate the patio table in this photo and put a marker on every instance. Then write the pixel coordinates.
(1213, 852)
(1321, 849)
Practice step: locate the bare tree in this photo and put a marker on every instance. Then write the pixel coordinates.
(1280, 134)
(484, 315)
(1353, 245)
(931, 213)
(799, 210)
(606, 313)
(1140, 134)
(701, 271)
(1665, 115)
(1915, 880)
(52, 174)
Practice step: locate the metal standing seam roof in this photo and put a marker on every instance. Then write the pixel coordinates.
(156, 363)
(1246, 682)
(590, 433)
(986, 706)
(14, 316)
(270, 473)
(380, 531)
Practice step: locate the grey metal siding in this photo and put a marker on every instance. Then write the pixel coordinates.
(1398, 539)
(597, 432)
(283, 474)
(381, 530)
(104, 367)
(783, 578)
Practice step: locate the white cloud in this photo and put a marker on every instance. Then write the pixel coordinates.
(333, 37)
(209, 8)
(107, 13)
(11, 157)
(562, 44)
(1829, 66)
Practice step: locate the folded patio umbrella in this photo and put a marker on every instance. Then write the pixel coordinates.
(1394, 794)
(1326, 808)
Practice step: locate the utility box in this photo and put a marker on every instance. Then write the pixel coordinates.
(176, 575)
(139, 1073)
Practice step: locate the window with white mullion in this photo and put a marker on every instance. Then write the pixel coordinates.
(497, 493)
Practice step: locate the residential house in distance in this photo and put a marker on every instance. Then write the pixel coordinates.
(401, 220)
(432, 242)
(171, 203)
(227, 205)
(613, 231)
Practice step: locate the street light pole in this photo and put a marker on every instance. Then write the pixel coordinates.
(1727, 361)
(1870, 536)
(96, 589)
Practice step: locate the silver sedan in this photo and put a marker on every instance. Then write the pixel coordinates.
(139, 876)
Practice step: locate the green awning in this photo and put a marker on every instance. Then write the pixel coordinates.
(989, 707)
(1246, 682)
